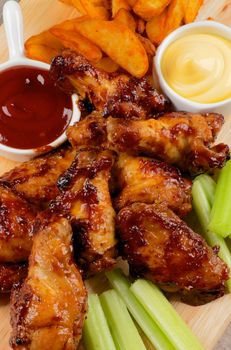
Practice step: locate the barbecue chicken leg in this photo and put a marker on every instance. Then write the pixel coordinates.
(118, 95)
(48, 309)
(85, 201)
(181, 139)
(36, 180)
(147, 180)
(16, 227)
(159, 246)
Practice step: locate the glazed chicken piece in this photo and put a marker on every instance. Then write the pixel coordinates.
(36, 180)
(114, 94)
(16, 226)
(11, 274)
(48, 309)
(178, 138)
(160, 247)
(147, 180)
(85, 200)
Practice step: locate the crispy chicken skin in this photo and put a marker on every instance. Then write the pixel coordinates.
(85, 200)
(16, 226)
(147, 180)
(36, 180)
(90, 131)
(48, 309)
(113, 94)
(11, 274)
(160, 246)
(178, 138)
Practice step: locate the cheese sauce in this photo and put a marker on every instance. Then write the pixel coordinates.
(198, 67)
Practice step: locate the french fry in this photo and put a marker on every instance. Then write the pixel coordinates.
(96, 8)
(118, 42)
(174, 17)
(116, 5)
(107, 64)
(147, 9)
(140, 26)
(45, 38)
(147, 44)
(41, 53)
(155, 28)
(79, 6)
(78, 43)
(125, 17)
(191, 10)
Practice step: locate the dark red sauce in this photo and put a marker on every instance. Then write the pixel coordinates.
(33, 111)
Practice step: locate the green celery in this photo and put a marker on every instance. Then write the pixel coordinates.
(220, 222)
(122, 285)
(123, 329)
(96, 333)
(202, 209)
(209, 187)
(164, 314)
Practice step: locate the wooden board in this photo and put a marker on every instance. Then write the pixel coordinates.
(208, 321)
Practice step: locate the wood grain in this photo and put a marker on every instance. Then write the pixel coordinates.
(208, 321)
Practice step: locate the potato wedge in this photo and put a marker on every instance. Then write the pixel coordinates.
(174, 17)
(147, 44)
(95, 8)
(45, 38)
(147, 9)
(107, 64)
(116, 5)
(191, 10)
(126, 18)
(155, 28)
(41, 53)
(79, 6)
(118, 42)
(68, 24)
(78, 43)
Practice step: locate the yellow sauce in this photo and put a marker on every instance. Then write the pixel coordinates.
(198, 67)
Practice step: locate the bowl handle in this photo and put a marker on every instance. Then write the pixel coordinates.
(13, 24)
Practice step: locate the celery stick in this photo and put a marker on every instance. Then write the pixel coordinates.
(123, 329)
(220, 222)
(96, 333)
(163, 313)
(156, 337)
(202, 209)
(209, 187)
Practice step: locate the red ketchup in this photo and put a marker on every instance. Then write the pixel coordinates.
(33, 111)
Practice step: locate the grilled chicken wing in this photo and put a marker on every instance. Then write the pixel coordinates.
(48, 309)
(162, 248)
(16, 225)
(85, 200)
(11, 274)
(114, 94)
(183, 139)
(36, 180)
(148, 180)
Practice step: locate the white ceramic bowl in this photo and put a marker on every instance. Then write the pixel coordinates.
(179, 102)
(13, 23)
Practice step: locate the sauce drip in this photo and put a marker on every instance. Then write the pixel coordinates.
(33, 111)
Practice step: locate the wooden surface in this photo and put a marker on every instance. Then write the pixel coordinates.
(208, 321)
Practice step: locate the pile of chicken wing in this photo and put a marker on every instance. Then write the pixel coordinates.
(115, 190)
